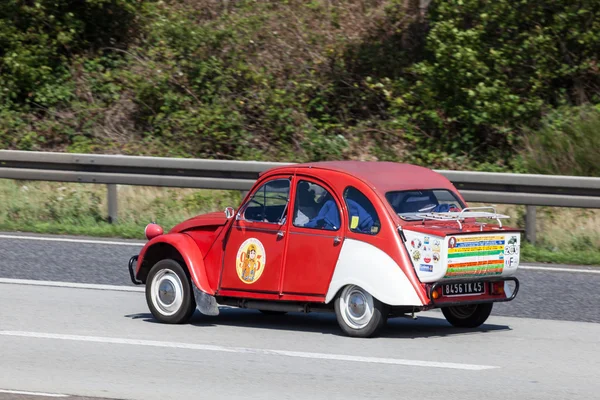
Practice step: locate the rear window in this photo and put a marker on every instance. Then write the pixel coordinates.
(407, 203)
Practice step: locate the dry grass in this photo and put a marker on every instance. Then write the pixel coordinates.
(27, 201)
(559, 229)
(563, 235)
(54, 206)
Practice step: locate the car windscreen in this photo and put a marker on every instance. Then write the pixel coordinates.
(407, 203)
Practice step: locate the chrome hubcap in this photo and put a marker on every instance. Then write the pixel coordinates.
(356, 306)
(167, 292)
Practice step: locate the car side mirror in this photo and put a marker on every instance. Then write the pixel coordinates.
(229, 212)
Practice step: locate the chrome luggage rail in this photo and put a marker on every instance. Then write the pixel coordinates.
(467, 212)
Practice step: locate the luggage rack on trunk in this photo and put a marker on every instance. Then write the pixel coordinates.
(467, 212)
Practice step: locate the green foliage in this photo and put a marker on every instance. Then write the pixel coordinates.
(38, 38)
(568, 143)
(541, 253)
(456, 87)
(491, 68)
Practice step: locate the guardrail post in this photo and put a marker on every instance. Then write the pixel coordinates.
(530, 224)
(112, 202)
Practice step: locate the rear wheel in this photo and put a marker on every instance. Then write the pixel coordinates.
(468, 316)
(169, 293)
(358, 313)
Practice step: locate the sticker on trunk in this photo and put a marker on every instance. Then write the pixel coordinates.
(478, 255)
(416, 255)
(426, 268)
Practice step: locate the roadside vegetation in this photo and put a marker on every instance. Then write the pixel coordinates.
(461, 84)
(508, 86)
(570, 236)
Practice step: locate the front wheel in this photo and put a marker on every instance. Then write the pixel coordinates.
(169, 293)
(468, 316)
(358, 313)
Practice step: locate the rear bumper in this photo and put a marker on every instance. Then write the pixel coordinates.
(487, 297)
(132, 262)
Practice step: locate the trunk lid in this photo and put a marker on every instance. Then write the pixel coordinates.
(444, 249)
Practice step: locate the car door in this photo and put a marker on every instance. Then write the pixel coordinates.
(255, 245)
(315, 238)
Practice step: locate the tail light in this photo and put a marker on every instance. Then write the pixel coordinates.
(497, 288)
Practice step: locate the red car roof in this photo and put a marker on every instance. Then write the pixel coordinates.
(385, 176)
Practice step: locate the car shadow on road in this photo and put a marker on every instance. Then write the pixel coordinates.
(427, 324)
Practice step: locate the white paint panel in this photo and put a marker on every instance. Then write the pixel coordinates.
(427, 255)
(373, 270)
(422, 248)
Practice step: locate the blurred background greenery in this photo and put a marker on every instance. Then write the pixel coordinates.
(508, 86)
(464, 84)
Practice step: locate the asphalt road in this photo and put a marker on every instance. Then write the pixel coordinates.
(543, 294)
(105, 344)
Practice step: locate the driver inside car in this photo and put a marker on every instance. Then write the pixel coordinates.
(328, 216)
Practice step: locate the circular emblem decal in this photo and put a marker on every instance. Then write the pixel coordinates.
(416, 255)
(452, 242)
(251, 260)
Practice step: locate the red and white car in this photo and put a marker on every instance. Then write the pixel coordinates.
(367, 240)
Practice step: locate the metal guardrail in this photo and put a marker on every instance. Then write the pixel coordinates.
(497, 188)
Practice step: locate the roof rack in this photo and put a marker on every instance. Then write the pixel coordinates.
(467, 212)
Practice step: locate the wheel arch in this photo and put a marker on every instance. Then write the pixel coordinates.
(368, 267)
(180, 247)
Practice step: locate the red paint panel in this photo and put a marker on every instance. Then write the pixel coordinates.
(310, 260)
(445, 229)
(209, 219)
(453, 299)
(213, 260)
(271, 264)
(192, 256)
(248, 295)
(271, 296)
(203, 237)
(306, 298)
(381, 176)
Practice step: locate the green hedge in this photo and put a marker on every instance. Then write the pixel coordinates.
(464, 85)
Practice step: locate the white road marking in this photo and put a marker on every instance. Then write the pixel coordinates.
(71, 285)
(285, 353)
(559, 269)
(32, 393)
(68, 240)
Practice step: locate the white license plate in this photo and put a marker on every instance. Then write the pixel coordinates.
(464, 288)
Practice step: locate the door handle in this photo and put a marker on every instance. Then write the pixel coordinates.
(336, 240)
(280, 234)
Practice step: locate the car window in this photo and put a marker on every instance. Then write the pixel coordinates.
(269, 202)
(362, 217)
(410, 202)
(315, 207)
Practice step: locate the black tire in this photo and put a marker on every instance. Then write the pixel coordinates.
(173, 277)
(367, 324)
(271, 312)
(468, 316)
